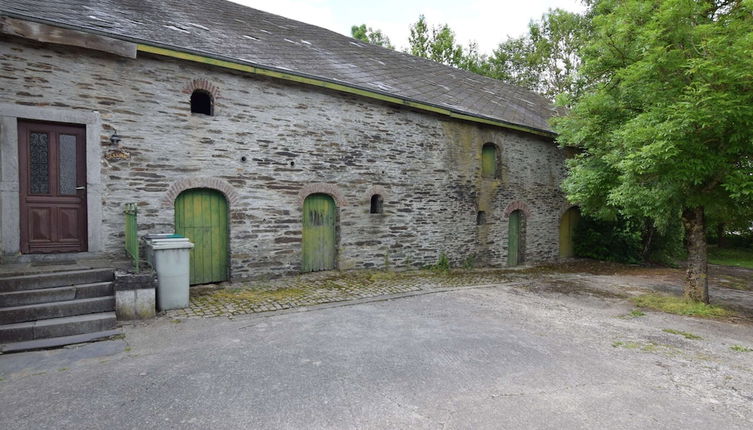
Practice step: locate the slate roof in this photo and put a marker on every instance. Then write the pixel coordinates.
(226, 30)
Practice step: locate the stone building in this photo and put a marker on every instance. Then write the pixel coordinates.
(276, 146)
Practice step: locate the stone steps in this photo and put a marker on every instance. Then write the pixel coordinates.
(54, 279)
(46, 310)
(55, 294)
(40, 311)
(55, 342)
(57, 327)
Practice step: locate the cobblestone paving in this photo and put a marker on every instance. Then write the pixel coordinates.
(314, 289)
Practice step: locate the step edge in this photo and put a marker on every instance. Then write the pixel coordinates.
(56, 342)
(59, 320)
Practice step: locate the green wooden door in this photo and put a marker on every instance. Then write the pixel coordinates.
(513, 239)
(567, 232)
(489, 161)
(319, 217)
(201, 215)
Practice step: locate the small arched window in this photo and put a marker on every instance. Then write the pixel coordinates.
(201, 102)
(489, 160)
(377, 204)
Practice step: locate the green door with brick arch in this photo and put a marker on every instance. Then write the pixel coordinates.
(201, 215)
(567, 232)
(513, 239)
(319, 233)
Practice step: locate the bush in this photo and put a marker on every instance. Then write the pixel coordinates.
(627, 240)
(618, 240)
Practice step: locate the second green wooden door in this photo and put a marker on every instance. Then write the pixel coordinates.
(201, 215)
(513, 239)
(319, 233)
(567, 231)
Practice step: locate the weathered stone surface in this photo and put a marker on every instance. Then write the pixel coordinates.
(271, 143)
(135, 295)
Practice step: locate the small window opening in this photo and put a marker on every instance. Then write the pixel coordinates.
(201, 102)
(377, 204)
(480, 218)
(489, 161)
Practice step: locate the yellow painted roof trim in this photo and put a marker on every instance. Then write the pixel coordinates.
(333, 86)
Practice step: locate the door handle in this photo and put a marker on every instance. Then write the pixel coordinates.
(80, 188)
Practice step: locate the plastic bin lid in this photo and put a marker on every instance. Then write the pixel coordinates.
(171, 244)
(163, 236)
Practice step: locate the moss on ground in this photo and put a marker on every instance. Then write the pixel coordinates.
(684, 334)
(680, 306)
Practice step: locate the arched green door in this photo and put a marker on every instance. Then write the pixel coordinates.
(319, 236)
(513, 239)
(567, 232)
(201, 215)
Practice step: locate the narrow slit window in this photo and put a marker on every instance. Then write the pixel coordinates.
(480, 218)
(201, 102)
(377, 204)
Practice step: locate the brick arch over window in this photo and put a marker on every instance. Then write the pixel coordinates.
(517, 205)
(201, 182)
(202, 85)
(329, 189)
(376, 189)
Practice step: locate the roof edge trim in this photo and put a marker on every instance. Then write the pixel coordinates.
(350, 89)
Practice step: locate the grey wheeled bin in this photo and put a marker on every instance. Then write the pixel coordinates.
(171, 261)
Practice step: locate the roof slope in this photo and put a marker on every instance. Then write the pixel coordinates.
(219, 28)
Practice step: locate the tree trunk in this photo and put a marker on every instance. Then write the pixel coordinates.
(696, 282)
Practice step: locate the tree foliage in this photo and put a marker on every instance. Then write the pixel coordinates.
(435, 43)
(369, 35)
(545, 60)
(667, 126)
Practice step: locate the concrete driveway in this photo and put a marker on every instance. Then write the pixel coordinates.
(472, 358)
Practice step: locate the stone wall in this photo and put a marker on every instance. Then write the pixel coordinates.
(270, 143)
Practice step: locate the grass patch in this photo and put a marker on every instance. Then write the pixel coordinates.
(679, 306)
(740, 348)
(684, 334)
(644, 347)
(740, 257)
(635, 313)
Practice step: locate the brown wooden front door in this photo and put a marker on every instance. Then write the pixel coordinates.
(52, 185)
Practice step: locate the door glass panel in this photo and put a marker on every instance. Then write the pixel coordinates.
(67, 164)
(39, 151)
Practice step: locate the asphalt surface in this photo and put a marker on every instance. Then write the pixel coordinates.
(472, 358)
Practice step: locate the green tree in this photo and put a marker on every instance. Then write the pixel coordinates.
(369, 35)
(667, 126)
(437, 43)
(418, 40)
(547, 59)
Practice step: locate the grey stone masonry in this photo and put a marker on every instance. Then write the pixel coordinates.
(271, 143)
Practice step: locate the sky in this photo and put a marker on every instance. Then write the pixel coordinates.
(488, 22)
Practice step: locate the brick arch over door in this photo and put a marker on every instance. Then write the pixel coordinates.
(201, 182)
(515, 206)
(319, 188)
